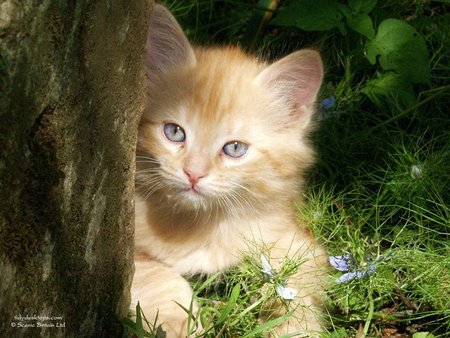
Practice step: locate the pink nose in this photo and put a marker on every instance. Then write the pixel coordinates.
(193, 176)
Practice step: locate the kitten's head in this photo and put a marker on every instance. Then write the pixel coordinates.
(222, 131)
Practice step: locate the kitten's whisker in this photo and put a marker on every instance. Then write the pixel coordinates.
(152, 189)
(231, 206)
(250, 194)
(147, 157)
(149, 184)
(147, 170)
(235, 200)
(223, 204)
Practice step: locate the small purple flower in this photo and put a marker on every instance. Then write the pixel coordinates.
(346, 263)
(325, 109)
(342, 263)
(328, 102)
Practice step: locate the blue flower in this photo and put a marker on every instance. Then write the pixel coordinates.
(328, 102)
(346, 263)
(325, 109)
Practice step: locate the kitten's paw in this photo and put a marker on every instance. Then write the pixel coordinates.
(181, 328)
(300, 329)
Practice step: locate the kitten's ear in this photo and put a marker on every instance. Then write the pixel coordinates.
(296, 80)
(167, 45)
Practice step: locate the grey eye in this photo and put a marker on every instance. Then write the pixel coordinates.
(174, 132)
(235, 149)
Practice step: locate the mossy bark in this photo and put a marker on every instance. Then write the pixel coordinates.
(71, 94)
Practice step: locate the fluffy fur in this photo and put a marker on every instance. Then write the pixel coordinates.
(203, 225)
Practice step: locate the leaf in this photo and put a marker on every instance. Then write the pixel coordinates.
(345, 10)
(139, 327)
(422, 335)
(390, 88)
(362, 6)
(129, 323)
(310, 15)
(207, 283)
(230, 304)
(362, 24)
(268, 325)
(402, 49)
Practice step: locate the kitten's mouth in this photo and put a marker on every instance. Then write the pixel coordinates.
(193, 190)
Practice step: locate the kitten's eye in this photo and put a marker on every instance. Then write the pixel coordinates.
(174, 132)
(235, 149)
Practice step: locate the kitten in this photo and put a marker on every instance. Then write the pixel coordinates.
(220, 157)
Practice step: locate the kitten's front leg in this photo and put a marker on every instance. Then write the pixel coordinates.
(309, 283)
(158, 289)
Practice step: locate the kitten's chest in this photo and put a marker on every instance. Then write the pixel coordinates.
(211, 248)
(205, 253)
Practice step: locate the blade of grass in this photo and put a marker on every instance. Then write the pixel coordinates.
(230, 304)
(268, 325)
(139, 328)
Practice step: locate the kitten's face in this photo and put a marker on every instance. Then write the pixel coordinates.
(217, 136)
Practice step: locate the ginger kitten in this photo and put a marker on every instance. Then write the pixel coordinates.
(220, 157)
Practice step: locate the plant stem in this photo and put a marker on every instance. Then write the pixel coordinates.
(369, 316)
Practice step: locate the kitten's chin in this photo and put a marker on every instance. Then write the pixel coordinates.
(189, 198)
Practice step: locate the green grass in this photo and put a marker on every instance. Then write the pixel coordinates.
(380, 189)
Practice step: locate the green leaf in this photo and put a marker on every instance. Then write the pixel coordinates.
(387, 275)
(268, 325)
(362, 24)
(230, 304)
(362, 6)
(402, 49)
(392, 89)
(422, 335)
(139, 327)
(310, 15)
(345, 10)
(129, 323)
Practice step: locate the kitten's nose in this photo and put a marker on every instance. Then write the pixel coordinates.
(193, 176)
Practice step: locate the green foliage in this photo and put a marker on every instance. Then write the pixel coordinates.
(257, 23)
(140, 327)
(396, 49)
(402, 49)
(310, 15)
(231, 303)
(390, 88)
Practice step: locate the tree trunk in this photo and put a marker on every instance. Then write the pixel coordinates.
(71, 94)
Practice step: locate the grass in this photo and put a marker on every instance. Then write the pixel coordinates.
(379, 192)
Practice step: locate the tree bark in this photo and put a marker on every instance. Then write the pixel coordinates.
(71, 93)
